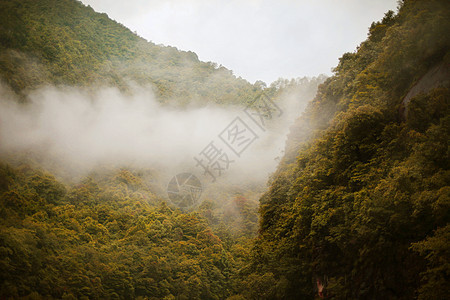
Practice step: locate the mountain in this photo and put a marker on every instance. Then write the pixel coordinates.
(64, 42)
(112, 233)
(359, 208)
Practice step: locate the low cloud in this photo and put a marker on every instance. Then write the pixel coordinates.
(76, 131)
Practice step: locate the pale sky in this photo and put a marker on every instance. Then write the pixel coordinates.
(257, 39)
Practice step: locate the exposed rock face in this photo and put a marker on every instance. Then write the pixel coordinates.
(437, 76)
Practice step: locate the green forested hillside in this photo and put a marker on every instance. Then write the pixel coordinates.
(360, 206)
(110, 237)
(64, 42)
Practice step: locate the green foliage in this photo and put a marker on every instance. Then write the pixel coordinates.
(436, 249)
(110, 237)
(64, 42)
(359, 205)
(354, 204)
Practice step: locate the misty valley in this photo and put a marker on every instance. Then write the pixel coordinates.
(131, 170)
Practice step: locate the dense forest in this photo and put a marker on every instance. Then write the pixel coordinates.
(112, 238)
(358, 207)
(65, 42)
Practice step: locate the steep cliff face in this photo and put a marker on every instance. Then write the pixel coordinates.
(362, 194)
(438, 76)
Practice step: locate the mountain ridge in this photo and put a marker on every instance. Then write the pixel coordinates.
(65, 42)
(359, 206)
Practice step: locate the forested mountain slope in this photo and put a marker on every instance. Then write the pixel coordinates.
(110, 237)
(65, 42)
(113, 233)
(360, 206)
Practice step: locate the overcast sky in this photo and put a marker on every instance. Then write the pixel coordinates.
(257, 39)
